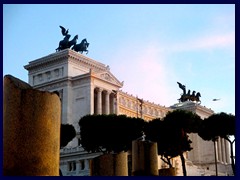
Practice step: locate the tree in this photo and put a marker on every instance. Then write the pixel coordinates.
(156, 131)
(219, 125)
(171, 134)
(109, 133)
(67, 133)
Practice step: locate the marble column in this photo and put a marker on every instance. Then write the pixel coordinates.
(107, 106)
(223, 150)
(227, 145)
(31, 130)
(219, 149)
(99, 101)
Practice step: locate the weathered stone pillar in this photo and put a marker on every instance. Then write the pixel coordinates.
(31, 130)
(144, 158)
(109, 165)
(167, 172)
(99, 101)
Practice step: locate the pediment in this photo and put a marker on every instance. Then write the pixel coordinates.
(109, 77)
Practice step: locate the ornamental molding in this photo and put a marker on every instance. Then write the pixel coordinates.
(107, 76)
(64, 57)
(48, 86)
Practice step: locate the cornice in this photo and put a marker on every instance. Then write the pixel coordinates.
(108, 77)
(66, 81)
(193, 107)
(66, 55)
(46, 60)
(145, 102)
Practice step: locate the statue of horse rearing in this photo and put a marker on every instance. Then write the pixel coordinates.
(65, 43)
(81, 47)
(187, 97)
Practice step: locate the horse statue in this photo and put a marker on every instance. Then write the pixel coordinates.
(196, 98)
(188, 96)
(72, 42)
(63, 44)
(185, 97)
(81, 47)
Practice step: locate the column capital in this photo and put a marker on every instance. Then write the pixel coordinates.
(98, 89)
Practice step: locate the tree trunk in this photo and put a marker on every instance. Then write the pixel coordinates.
(183, 165)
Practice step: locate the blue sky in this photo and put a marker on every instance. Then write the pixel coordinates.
(149, 47)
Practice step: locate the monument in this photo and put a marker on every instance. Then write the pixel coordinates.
(65, 43)
(188, 96)
(87, 86)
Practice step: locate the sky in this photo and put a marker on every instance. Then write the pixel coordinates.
(149, 47)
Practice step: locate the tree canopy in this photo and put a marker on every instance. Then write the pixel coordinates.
(67, 133)
(109, 133)
(171, 134)
(219, 125)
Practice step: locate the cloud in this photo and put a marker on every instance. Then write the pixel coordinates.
(206, 42)
(146, 74)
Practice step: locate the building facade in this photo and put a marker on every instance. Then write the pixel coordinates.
(87, 86)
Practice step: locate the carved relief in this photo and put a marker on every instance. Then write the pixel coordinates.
(56, 72)
(107, 77)
(48, 73)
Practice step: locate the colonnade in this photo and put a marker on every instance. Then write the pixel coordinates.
(223, 154)
(105, 101)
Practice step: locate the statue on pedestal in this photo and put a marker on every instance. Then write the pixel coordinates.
(66, 43)
(187, 96)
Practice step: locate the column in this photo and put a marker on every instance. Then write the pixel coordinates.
(107, 106)
(227, 145)
(113, 102)
(99, 101)
(144, 158)
(31, 130)
(223, 150)
(219, 149)
(109, 165)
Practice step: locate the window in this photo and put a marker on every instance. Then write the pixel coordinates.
(82, 164)
(72, 166)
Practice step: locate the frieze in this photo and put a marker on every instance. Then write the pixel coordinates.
(80, 81)
(54, 86)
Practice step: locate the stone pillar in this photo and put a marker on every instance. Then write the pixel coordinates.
(227, 152)
(144, 158)
(219, 149)
(223, 150)
(109, 165)
(31, 130)
(99, 101)
(107, 106)
(116, 108)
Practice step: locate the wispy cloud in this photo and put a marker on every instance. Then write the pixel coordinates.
(147, 74)
(206, 42)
